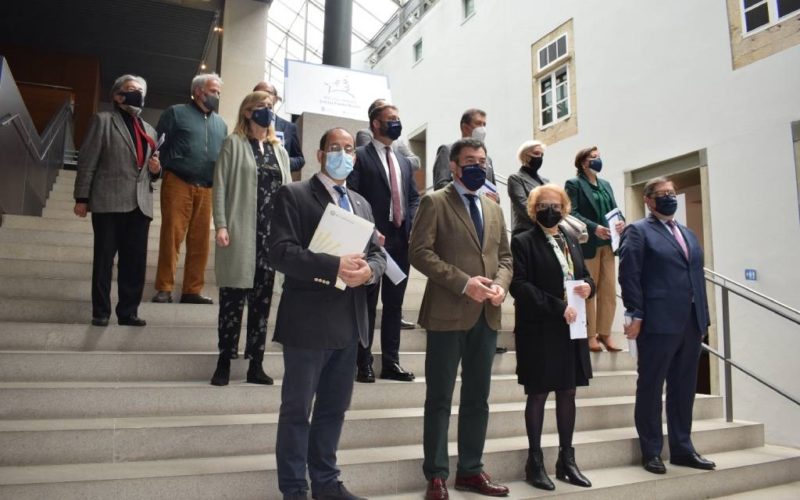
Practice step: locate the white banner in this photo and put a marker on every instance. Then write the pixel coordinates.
(331, 90)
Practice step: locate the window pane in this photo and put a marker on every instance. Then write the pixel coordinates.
(551, 52)
(562, 46)
(561, 76)
(469, 7)
(786, 7)
(561, 92)
(547, 116)
(543, 58)
(546, 85)
(562, 109)
(750, 3)
(759, 16)
(547, 100)
(418, 51)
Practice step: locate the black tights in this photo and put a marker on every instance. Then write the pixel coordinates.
(565, 417)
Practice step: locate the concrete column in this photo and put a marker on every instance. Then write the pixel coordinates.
(337, 32)
(244, 53)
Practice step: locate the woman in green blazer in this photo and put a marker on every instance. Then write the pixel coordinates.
(251, 167)
(592, 198)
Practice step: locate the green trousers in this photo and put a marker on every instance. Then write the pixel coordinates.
(475, 349)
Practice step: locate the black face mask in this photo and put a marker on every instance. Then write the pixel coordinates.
(535, 163)
(548, 217)
(133, 98)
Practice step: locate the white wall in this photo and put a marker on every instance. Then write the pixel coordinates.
(654, 81)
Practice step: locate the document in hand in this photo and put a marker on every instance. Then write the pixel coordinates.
(160, 142)
(340, 232)
(577, 329)
(613, 217)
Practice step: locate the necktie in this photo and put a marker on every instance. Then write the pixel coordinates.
(678, 236)
(475, 214)
(343, 202)
(397, 211)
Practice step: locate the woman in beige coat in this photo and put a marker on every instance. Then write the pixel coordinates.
(251, 167)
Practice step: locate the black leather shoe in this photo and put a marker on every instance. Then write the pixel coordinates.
(162, 298)
(100, 321)
(256, 375)
(335, 491)
(501, 350)
(407, 325)
(132, 321)
(654, 465)
(223, 372)
(694, 460)
(396, 372)
(195, 298)
(365, 375)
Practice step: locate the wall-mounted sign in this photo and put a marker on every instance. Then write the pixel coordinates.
(331, 90)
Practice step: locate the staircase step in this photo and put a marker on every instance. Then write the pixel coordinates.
(40, 442)
(56, 400)
(35, 269)
(392, 470)
(789, 491)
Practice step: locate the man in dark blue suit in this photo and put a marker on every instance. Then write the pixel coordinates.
(386, 180)
(285, 130)
(318, 324)
(664, 293)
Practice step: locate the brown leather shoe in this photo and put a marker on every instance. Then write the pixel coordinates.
(594, 345)
(437, 489)
(481, 483)
(606, 341)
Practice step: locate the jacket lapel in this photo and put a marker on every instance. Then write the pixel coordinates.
(454, 199)
(119, 124)
(376, 159)
(661, 229)
(587, 191)
(321, 194)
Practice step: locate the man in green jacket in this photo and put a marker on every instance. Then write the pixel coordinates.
(193, 137)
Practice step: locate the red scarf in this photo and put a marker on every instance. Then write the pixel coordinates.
(141, 137)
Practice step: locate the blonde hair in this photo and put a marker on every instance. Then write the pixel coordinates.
(525, 147)
(250, 102)
(537, 193)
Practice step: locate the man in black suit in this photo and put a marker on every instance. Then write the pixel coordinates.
(664, 292)
(386, 180)
(320, 326)
(285, 130)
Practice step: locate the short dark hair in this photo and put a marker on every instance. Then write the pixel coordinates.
(581, 156)
(466, 118)
(373, 108)
(377, 110)
(652, 184)
(460, 144)
(324, 139)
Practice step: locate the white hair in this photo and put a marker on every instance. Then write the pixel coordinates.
(119, 82)
(200, 81)
(527, 146)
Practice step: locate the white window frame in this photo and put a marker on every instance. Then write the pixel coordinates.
(558, 58)
(772, 9)
(554, 101)
(414, 50)
(466, 15)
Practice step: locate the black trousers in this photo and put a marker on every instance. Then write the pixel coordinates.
(123, 234)
(231, 306)
(392, 297)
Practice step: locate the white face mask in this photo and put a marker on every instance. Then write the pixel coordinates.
(479, 133)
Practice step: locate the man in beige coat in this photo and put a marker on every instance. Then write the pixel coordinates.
(459, 242)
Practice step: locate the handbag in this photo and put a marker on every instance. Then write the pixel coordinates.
(575, 227)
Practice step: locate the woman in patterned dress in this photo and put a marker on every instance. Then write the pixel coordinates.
(251, 167)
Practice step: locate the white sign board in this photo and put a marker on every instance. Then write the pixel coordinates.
(331, 90)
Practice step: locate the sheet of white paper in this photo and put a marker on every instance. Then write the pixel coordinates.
(393, 271)
(160, 143)
(632, 349)
(577, 329)
(340, 232)
(487, 188)
(613, 217)
(279, 135)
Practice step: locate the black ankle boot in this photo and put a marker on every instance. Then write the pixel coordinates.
(534, 471)
(223, 372)
(567, 470)
(256, 375)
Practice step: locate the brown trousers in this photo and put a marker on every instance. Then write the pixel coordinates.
(601, 308)
(185, 214)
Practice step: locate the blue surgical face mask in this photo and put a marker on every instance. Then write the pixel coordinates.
(596, 164)
(392, 129)
(338, 164)
(262, 116)
(667, 205)
(473, 176)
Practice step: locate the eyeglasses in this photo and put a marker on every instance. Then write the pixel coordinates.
(335, 148)
(545, 206)
(471, 160)
(661, 194)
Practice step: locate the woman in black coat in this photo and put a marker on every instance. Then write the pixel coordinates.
(547, 359)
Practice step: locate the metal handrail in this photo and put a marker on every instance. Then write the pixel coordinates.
(34, 144)
(772, 305)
